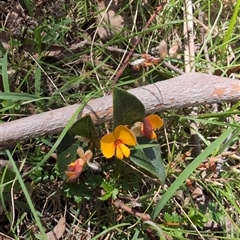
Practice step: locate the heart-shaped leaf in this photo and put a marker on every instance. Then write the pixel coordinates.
(149, 158)
(84, 127)
(127, 109)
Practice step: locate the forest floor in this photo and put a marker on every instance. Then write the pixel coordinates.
(55, 53)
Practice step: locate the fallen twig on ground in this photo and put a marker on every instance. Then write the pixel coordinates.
(187, 90)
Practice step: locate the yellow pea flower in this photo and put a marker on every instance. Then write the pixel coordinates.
(115, 143)
(75, 168)
(147, 127)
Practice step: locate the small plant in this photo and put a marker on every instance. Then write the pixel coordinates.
(133, 138)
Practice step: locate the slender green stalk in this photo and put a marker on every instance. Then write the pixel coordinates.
(28, 198)
(6, 85)
(38, 75)
(230, 30)
(3, 204)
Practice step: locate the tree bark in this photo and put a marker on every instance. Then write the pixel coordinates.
(191, 89)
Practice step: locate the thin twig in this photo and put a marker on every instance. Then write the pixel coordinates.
(189, 52)
(194, 139)
(119, 50)
(120, 205)
(192, 224)
(202, 30)
(153, 16)
(173, 68)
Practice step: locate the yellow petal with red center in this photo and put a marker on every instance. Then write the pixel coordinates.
(108, 145)
(155, 120)
(123, 134)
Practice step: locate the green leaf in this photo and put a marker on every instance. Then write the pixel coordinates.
(83, 189)
(149, 158)
(127, 109)
(7, 175)
(15, 96)
(167, 217)
(67, 153)
(106, 196)
(110, 190)
(77, 191)
(114, 193)
(234, 19)
(107, 186)
(84, 127)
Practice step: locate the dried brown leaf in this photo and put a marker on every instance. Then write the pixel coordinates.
(110, 25)
(173, 49)
(163, 51)
(58, 230)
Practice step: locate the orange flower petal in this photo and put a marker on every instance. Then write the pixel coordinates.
(119, 153)
(74, 166)
(153, 135)
(125, 150)
(74, 170)
(155, 120)
(72, 176)
(123, 134)
(108, 145)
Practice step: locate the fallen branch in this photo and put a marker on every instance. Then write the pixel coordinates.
(187, 90)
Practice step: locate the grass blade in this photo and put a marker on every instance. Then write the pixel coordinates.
(25, 191)
(185, 174)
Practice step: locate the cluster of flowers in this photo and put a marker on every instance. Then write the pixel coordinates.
(116, 143)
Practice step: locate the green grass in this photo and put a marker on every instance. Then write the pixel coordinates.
(32, 191)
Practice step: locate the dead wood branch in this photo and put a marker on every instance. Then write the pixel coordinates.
(187, 90)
